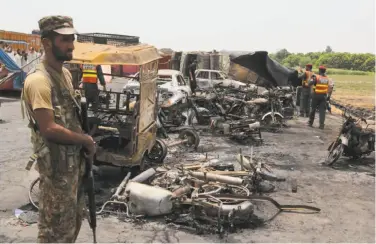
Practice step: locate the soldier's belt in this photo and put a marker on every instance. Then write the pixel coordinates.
(39, 153)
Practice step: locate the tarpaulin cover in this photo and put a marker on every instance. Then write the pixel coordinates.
(12, 67)
(112, 55)
(260, 63)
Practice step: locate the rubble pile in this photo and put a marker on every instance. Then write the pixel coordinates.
(207, 195)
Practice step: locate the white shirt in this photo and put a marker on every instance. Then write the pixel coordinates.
(18, 60)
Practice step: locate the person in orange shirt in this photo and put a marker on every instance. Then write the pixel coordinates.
(90, 76)
(319, 96)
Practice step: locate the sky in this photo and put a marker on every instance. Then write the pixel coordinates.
(236, 25)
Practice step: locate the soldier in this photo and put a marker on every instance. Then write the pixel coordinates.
(306, 91)
(320, 96)
(56, 134)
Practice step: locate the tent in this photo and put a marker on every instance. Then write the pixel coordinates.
(260, 63)
(18, 75)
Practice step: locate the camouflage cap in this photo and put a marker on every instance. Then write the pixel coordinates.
(60, 24)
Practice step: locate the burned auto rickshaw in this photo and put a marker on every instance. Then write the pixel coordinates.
(125, 137)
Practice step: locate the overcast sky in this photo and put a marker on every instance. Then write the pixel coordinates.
(297, 25)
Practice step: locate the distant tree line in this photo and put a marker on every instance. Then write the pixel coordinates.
(348, 61)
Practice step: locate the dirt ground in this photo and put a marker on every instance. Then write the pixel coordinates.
(346, 195)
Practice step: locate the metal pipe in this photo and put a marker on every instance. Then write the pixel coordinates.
(119, 194)
(112, 129)
(230, 173)
(181, 191)
(177, 143)
(241, 159)
(219, 178)
(144, 176)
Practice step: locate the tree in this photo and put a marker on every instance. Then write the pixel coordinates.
(336, 60)
(281, 55)
(368, 65)
(328, 49)
(303, 61)
(291, 61)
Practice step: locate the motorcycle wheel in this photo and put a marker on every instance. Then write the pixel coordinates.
(334, 154)
(192, 137)
(158, 153)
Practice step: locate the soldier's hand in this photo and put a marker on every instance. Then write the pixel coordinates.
(104, 88)
(90, 146)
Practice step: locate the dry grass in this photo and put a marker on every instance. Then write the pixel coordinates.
(356, 90)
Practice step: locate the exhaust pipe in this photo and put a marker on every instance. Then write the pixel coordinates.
(219, 178)
(242, 210)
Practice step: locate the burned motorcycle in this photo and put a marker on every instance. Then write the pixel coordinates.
(205, 106)
(286, 97)
(352, 141)
(174, 107)
(235, 102)
(246, 131)
(267, 109)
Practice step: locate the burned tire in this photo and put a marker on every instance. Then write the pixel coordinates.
(334, 154)
(158, 153)
(268, 121)
(34, 193)
(268, 125)
(193, 139)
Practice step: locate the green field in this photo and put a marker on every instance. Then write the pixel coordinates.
(357, 90)
(331, 71)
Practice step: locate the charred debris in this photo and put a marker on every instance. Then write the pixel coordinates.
(207, 195)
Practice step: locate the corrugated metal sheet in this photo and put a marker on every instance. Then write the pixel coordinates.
(175, 60)
(203, 60)
(214, 61)
(224, 62)
(31, 39)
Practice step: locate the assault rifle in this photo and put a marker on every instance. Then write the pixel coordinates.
(88, 177)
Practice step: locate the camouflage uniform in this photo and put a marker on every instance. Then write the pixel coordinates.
(61, 168)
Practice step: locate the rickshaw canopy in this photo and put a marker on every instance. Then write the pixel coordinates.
(100, 54)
